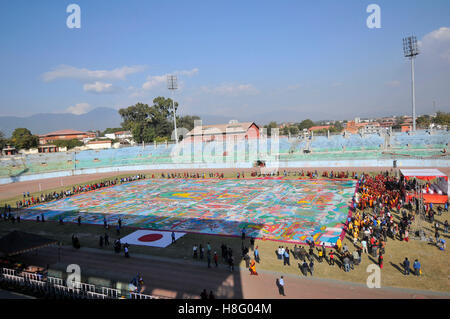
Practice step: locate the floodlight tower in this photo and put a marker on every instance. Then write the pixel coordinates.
(411, 50)
(172, 86)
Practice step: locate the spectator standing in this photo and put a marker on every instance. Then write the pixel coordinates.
(406, 265)
(331, 258)
(417, 268)
(311, 267)
(216, 259)
(256, 253)
(281, 286)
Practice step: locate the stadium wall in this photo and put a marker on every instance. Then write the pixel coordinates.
(240, 165)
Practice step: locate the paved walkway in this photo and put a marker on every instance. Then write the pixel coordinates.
(186, 279)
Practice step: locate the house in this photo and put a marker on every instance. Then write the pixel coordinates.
(47, 148)
(221, 132)
(97, 145)
(64, 135)
(354, 127)
(121, 135)
(371, 128)
(405, 127)
(387, 122)
(9, 150)
(319, 128)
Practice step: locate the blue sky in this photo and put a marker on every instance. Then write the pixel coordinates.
(292, 59)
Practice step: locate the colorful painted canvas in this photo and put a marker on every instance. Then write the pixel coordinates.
(273, 209)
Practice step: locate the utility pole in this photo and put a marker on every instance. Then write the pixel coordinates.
(172, 86)
(411, 50)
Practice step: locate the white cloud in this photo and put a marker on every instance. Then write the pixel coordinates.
(85, 75)
(100, 87)
(79, 108)
(157, 80)
(153, 81)
(187, 72)
(436, 44)
(231, 89)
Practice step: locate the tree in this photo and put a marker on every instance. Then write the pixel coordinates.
(187, 121)
(305, 124)
(68, 143)
(442, 118)
(23, 139)
(338, 126)
(269, 127)
(3, 141)
(148, 122)
(423, 121)
(285, 130)
(293, 130)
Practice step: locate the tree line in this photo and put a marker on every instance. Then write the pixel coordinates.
(154, 123)
(441, 118)
(21, 138)
(297, 128)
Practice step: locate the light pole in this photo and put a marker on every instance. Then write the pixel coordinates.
(172, 86)
(411, 50)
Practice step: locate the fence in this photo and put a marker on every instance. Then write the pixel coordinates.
(135, 295)
(56, 285)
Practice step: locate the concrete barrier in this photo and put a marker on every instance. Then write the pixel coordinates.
(239, 165)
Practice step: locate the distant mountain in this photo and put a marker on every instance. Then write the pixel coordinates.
(97, 119)
(104, 117)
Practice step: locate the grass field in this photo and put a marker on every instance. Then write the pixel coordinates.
(435, 263)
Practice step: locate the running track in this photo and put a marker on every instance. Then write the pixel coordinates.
(186, 279)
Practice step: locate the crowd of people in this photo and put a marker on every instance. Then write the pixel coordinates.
(381, 210)
(29, 200)
(275, 173)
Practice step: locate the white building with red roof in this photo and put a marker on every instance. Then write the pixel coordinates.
(64, 135)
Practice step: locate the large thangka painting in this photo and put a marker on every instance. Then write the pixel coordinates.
(273, 209)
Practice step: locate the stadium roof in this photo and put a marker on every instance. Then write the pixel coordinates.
(426, 174)
(224, 128)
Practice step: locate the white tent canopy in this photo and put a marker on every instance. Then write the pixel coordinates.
(422, 172)
(429, 174)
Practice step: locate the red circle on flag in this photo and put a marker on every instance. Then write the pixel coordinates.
(150, 237)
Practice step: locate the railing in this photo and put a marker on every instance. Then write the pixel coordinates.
(111, 292)
(55, 281)
(78, 289)
(30, 276)
(13, 278)
(84, 287)
(135, 295)
(94, 295)
(7, 271)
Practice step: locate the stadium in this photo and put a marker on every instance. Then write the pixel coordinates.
(142, 200)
